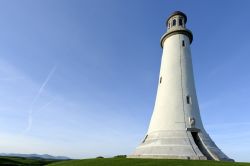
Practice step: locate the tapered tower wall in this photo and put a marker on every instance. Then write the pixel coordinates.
(176, 129)
(176, 84)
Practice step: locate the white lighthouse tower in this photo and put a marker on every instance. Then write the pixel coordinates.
(176, 130)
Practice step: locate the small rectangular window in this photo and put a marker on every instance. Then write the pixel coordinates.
(183, 43)
(160, 79)
(188, 100)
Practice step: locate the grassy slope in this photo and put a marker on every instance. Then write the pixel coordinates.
(144, 162)
(21, 161)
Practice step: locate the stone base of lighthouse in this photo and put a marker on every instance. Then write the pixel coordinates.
(190, 144)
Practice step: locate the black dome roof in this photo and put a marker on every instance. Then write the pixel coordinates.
(178, 13)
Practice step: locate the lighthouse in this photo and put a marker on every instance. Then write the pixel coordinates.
(176, 130)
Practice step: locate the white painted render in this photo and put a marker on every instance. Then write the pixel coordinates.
(171, 111)
(176, 129)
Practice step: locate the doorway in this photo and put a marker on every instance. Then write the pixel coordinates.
(200, 145)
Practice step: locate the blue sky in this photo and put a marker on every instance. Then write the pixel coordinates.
(79, 77)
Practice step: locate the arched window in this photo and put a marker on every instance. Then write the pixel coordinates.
(174, 22)
(180, 21)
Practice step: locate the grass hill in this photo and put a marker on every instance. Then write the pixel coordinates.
(144, 162)
(21, 161)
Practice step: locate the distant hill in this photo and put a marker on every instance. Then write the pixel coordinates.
(144, 162)
(23, 161)
(42, 156)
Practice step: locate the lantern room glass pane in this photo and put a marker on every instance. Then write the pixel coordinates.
(180, 22)
(174, 22)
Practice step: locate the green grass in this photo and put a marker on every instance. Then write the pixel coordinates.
(21, 161)
(144, 162)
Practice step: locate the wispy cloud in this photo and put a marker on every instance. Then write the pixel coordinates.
(40, 91)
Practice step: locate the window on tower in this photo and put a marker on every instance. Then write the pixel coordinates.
(160, 79)
(183, 43)
(188, 100)
(180, 21)
(174, 22)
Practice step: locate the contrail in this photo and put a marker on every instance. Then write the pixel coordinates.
(46, 105)
(40, 91)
